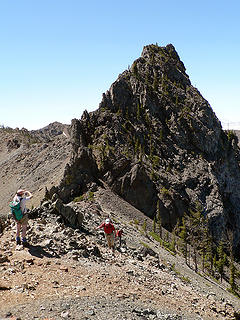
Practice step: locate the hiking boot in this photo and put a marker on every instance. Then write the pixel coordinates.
(24, 242)
(18, 241)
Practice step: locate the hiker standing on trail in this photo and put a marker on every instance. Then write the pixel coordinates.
(22, 196)
(109, 231)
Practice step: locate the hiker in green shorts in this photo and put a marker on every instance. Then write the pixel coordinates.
(22, 196)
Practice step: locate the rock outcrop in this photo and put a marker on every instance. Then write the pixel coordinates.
(157, 142)
(70, 213)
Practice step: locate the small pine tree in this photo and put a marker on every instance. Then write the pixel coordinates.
(147, 78)
(126, 113)
(210, 253)
(154, 224)
(167, 237)
(176, 102)
(138, 111)
(204, 245)
(232, 280)
(160, 135)
(183, 236)
(195, 257)
(155, 82)
(144, 227)
(136, 147)
(140, 153)
(176, 232)
(173, 242)
(215, 262)
(222, 259)
(135, 69)
(159, 220)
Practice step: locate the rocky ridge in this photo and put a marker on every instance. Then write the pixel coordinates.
(154, 134)
(67, 273)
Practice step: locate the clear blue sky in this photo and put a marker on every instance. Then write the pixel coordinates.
(58, 57)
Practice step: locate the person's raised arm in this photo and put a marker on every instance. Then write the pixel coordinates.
(28, 194)
(101, 225)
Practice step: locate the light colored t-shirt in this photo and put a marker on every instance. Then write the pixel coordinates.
(22, 203)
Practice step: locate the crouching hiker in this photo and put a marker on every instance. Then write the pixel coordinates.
(119, 235)
(19, 211)
(110, 233)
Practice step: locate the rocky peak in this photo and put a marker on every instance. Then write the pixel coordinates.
(165, 61)
(155, 135)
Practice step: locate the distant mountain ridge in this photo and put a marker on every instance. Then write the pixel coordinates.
(51, 131)
(32, 159)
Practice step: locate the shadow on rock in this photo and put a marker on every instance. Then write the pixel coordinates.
(39, 252)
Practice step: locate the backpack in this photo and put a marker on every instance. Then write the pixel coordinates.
(16, 210)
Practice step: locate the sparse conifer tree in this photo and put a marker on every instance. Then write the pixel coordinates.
(177, 231)
(215, 261)
(144, 227)
(136, 147)
(173, 243)
(210, 253)
(138, 111)
(195, 257)
(204, 243)
(161, 135)
(159, 220)
(155, 82)
(167, 237)
(176, 100)
(222, 259)
(183, 236)
(154, 224)
(197, 233)
(147, 78)
(140, 153)
(232, 280)
(135, 69)
(126, 113)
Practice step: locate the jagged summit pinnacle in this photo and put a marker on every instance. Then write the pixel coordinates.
(163, 53)
(157, 74)
(160, 62)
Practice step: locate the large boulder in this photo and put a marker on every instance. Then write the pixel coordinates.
(70, 213)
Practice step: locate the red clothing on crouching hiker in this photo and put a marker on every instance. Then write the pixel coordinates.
(108, 228)
(119, 233)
